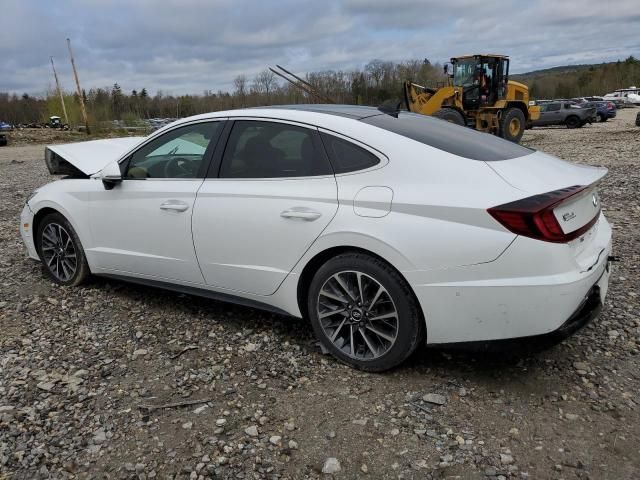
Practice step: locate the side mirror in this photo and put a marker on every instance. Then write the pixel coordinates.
(110, 175)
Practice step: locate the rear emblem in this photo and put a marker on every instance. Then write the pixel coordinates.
(594, 200)
(568, 216)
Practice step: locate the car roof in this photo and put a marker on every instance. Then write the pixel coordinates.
(357, 112)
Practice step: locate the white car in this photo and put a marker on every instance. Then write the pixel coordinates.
(385, 230)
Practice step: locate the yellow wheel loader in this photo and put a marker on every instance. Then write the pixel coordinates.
(479, 94)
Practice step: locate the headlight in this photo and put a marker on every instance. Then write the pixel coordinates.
(31, 195)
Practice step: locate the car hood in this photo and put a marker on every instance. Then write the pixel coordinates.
(87, 157)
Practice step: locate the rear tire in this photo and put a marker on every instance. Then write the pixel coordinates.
(601, 118)
(450, 115)
(364, 313)
(61, 252)
(573, 122)
(512, 124)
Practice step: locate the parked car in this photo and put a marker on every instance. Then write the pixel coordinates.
(627, 97)
(604, 109)
(4, 127)
(383, 230)
(566, 113)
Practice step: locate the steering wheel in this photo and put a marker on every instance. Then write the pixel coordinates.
(179, 167)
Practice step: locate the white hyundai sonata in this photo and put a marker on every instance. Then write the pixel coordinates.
(384, 230)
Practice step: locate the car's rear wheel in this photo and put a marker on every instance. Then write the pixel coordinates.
(61, 251)
(573, 122)
(364, 313)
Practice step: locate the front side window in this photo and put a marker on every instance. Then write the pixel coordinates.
(258, 149)
(178, 153)
(553, 107)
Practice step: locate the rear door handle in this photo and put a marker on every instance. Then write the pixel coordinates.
(301, 213)
(174, 206)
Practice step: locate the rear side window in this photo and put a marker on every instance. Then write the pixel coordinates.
(553, 107)
(347, 157)
(454, 139)
(259, 149)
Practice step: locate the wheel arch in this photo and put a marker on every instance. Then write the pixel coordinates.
(37, 219)
(321, 257)
(46, 207)
(521, 106)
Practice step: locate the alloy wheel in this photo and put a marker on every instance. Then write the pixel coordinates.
(58, 252)
(357, 315)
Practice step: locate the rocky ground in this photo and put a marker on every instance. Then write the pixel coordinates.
(84, 373)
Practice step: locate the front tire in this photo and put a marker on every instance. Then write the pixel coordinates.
(60, 251)
(450, 115)
(512, 124)
(364, 313)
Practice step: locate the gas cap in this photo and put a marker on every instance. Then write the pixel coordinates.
(373, 202)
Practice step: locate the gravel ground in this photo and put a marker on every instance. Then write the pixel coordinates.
(78, 366)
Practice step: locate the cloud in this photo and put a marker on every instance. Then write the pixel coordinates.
(188, 46)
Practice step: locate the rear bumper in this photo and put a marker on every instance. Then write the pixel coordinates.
(533, 289)
(586, 312)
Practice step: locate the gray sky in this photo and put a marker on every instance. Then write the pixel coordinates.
(188, 46)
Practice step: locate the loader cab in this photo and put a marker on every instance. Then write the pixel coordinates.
(481, 78)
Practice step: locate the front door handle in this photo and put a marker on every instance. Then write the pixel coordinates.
(301, 213)
(174, 206)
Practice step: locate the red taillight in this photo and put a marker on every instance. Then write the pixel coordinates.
(609, 106)
(533, 216)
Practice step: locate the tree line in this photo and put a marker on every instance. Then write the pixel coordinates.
(379, 81)
(583, 80)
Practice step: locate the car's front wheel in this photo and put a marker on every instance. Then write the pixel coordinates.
(61, 251)
(364, 312)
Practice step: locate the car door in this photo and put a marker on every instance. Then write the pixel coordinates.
(553, 114)
(142, 226)
(273, 196)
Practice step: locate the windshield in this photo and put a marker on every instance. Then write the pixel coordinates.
(463, 72)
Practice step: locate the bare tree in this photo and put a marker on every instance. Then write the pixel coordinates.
(240, 84)
(265, 82)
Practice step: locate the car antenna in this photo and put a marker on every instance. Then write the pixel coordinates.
(301, 84)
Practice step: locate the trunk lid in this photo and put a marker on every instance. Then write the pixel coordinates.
(559, 191)
(87, 158)
(540, 173)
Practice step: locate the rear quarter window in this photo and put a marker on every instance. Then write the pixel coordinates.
(347, 157)
(457, 140)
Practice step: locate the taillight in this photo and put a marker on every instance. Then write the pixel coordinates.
(609, 106)
(534, 217)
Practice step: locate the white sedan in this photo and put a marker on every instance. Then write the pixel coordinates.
(384, 230)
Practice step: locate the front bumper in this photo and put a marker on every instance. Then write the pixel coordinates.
(26, 231)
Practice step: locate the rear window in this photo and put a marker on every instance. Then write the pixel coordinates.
(461, 141)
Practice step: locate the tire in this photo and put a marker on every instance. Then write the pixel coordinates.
(512, 124)
(573, 122)
(450, 115)
(67, 265)
(638, 120)
(601, 118)
(353, 334)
